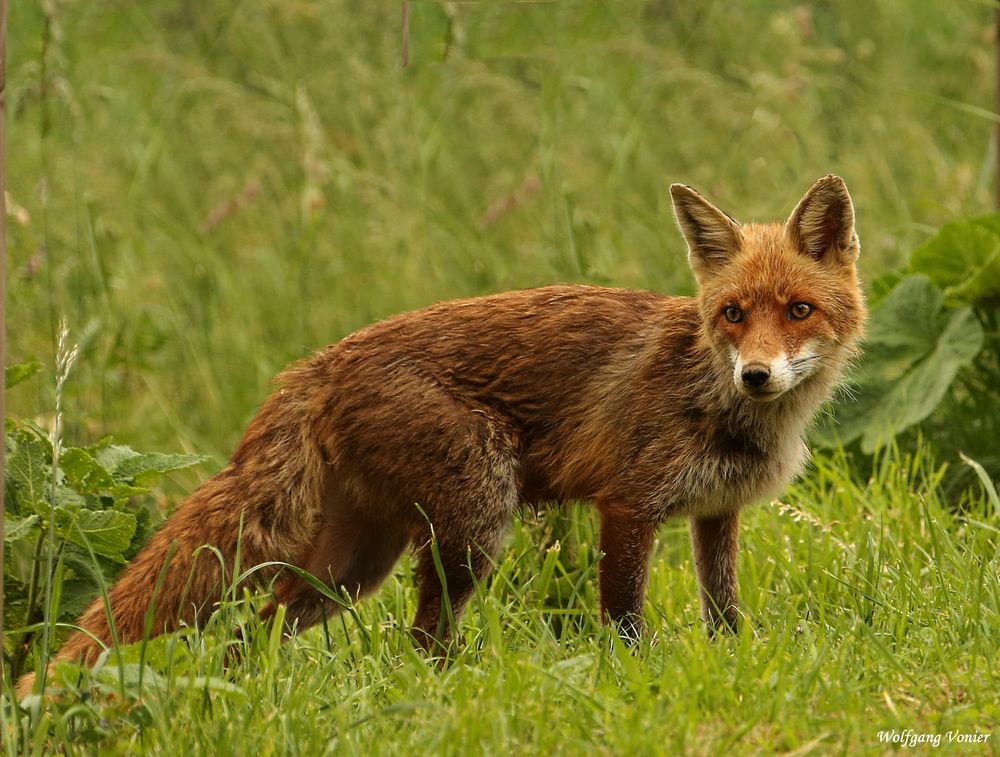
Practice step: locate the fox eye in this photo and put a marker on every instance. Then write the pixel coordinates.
(733, 314)
(800, 311)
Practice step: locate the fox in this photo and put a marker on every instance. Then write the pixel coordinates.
(431, 429)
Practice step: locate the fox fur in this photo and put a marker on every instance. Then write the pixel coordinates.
(646, 405)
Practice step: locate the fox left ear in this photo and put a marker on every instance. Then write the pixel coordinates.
(713, 237)
(822, 224)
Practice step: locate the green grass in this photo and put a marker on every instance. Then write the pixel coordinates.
(868, 606)
(213, 189)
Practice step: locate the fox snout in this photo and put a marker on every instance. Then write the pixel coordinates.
(767, 378)
(762, 378)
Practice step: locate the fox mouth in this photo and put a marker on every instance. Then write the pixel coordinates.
(762, 395)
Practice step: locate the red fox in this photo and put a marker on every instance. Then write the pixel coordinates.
(646, 405)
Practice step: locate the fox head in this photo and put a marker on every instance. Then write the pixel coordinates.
(780, 303)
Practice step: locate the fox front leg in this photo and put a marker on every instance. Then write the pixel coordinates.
(715, 541)
(626, 542)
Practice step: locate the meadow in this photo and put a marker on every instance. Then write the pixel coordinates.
(205, 192)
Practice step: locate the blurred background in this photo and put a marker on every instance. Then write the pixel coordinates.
(206, 191)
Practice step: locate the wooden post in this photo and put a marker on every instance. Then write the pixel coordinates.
(3, 290)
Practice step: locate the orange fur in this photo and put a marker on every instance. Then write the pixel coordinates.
(632, 400)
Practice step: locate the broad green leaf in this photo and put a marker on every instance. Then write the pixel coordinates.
(132, 673)
(29, 426)
(81, 565)
(989, 222)
(19, 528)
(15, 374)
(110, 456)
(963, 259)
(882, 285)
(218, 686)
(850, 414)
(923, 387)
(83, 472)
(908, 317)
(65, 498)
(103, 443)
(28, 468)
(915, 349)
(143, 530)
(149, 465)
(108, 532)
(86, 475)
(77, 595)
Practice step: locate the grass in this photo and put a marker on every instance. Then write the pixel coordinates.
(868, 606)
(207, 191)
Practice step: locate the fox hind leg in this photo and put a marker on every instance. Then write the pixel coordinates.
(352, 553)
(461, 562)
(469, 518)
(426, 459)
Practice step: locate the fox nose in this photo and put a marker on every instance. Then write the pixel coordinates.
(755, 375)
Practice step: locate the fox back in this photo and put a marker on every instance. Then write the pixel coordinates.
(438, 424)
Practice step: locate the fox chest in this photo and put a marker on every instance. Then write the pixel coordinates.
(724, 472)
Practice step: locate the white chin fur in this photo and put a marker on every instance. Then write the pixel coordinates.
(758, 396)
(785, 373)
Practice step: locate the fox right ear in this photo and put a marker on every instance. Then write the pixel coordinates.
(713, 237)
(822, 224)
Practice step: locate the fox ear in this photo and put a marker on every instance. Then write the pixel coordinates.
(712, 236)
(822, 224)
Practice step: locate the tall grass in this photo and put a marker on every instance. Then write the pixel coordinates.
(207, 191)
(868, 606)
(211, 190)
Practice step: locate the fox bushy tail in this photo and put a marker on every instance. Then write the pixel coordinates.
(261, 507)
